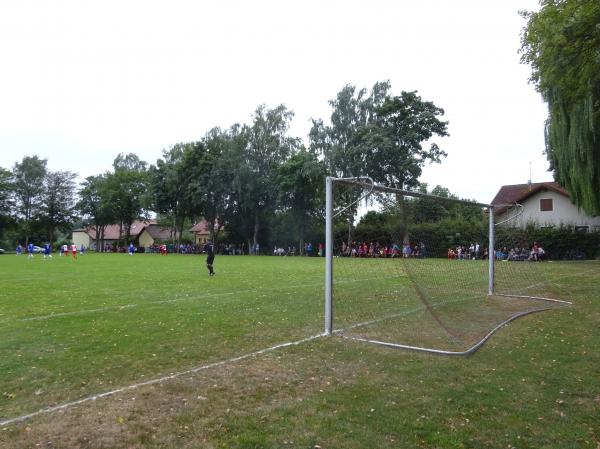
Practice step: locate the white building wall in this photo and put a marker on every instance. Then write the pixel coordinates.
(563, 212)
(80, 237)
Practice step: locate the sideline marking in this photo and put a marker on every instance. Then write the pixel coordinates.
(67, 405)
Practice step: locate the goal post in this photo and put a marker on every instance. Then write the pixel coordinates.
(413, 270)
(328, 255)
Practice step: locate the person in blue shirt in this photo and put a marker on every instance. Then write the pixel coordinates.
(19, 249)
(47, 251)
(30, 249)
(131, 249)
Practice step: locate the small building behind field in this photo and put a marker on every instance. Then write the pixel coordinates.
(544, 204)
(201, 232)
(146, 230)
(152, 234)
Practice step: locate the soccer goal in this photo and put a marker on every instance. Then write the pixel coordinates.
(423, 272)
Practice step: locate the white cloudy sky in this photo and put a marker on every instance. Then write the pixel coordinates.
(81, 81)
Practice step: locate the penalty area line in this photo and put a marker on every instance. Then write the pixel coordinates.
(154, 381)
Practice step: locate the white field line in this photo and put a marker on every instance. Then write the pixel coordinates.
(126, 306)
(157, 380)
(66, 405)
(186, 298)
(172, 376)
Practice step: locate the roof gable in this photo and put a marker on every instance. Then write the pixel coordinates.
(518, 193)
(202, 227)
(158, 232)
(111, 232)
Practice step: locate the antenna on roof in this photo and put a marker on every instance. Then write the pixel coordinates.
(529, 182)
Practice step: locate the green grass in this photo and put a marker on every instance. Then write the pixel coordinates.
(71, 329)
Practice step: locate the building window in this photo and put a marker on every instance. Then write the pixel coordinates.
(546, 204)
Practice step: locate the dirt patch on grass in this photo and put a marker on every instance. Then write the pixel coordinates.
(192, 410)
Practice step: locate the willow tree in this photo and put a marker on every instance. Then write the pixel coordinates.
(561, 42)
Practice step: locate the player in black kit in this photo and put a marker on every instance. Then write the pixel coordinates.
(209, 258)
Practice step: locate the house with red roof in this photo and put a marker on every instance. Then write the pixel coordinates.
(544, 204)
(201, 231)
(143, 233)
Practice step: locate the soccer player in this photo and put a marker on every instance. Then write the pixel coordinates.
(210, 258)
(64, 250)
(131, 249)
(19, 249)
(47, 251)
(74, 251)
(30, 249)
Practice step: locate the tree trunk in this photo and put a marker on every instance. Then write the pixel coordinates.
(350, 220)
(51, 237)
(97, 239)
(179, 222)
(211, 231)
(127, 233)
(403, 218)
(256, 228)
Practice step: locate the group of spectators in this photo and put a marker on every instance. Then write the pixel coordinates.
(535, 254)
(375, 249)
(473, 251)
(281, 251)
(221, 249)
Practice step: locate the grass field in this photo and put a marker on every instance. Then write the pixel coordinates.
(70, 330)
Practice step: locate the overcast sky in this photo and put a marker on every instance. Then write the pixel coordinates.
(81, 81)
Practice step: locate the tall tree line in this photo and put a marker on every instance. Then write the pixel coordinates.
(35, 203)
(254, 181)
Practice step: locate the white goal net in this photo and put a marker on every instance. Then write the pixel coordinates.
(418, 271)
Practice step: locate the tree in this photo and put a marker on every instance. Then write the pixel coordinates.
(170, 184)
(58, 201)
(215, 182)
(432, 210)
(128, 190)
(267, 146)
(561, 42)
(301, 191)
(94, 203)
(389, 148)
(350, 110)
(28, 187)
(427, 210)
(6, 199)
